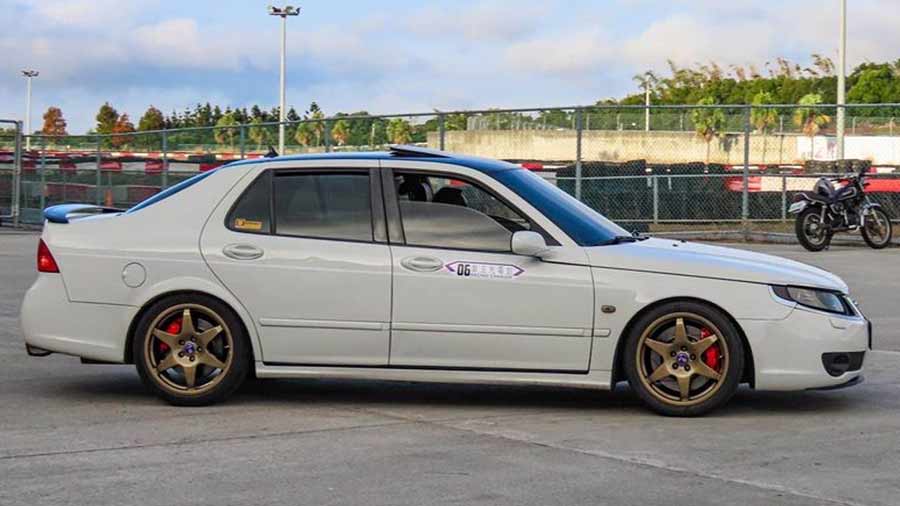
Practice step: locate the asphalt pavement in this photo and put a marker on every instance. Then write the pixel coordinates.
(90, 434)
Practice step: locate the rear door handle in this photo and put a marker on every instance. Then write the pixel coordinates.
(242, 251)
(422, 264)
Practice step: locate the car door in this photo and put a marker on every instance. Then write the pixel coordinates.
(304, 249)
(461, 298)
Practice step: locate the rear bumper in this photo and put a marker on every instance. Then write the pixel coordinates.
(788, 354)
(50, 322)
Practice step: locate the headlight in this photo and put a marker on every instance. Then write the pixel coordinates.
(823, 300)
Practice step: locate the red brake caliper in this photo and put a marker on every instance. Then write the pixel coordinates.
(711, 355)
(173, 328)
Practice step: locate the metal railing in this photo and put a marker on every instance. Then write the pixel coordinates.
(690, 165)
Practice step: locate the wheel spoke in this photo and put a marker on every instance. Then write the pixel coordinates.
(210, 360)
(169, 339)
(167, 363)
(680, 333)
(661, 348)
(208, 335)
(684, 385)
(704, 344)
(190, 375)
(661, 372)
(187, 324)
(706, 371)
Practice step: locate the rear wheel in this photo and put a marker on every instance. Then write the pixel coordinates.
(191, 350)
(811, 232)
(684, 359)
(878, 229)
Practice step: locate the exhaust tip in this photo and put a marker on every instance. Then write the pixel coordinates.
(34, 351)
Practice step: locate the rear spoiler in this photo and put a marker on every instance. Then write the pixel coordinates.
(60, 213)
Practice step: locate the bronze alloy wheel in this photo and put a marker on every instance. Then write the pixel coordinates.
(188, 349)
(682, 359)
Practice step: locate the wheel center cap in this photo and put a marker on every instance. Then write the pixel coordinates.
(189, 348)
(683, 358)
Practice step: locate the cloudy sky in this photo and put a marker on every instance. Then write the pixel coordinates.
(398, 55)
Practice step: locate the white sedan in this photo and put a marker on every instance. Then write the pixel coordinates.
(419, 265)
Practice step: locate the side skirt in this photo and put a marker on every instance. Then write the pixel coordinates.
(593, 379)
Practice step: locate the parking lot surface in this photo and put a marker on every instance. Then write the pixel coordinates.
(90, 434)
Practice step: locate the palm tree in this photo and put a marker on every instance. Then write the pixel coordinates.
(340, 132)
(763, 118)
(708, 122)
(259, 133)
(399, 131)
(647, 82)
(225, 133)
(304, 134)
(810, 119)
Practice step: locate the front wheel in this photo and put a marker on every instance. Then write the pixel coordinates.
(684, 359)
(812, 233)
(191, 350)
(878, 229)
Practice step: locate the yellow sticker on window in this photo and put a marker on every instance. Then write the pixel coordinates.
(243, 224)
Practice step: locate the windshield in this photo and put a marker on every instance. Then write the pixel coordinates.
(584, 225)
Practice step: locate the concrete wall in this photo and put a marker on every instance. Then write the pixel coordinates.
(606, 145)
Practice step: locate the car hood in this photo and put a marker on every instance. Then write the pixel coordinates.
(702, 260)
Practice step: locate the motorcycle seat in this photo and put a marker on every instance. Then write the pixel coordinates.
(816, 197)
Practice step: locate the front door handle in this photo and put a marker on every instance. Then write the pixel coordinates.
(242, 251)
(422, 264)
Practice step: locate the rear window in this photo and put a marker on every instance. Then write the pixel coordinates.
(252, 213)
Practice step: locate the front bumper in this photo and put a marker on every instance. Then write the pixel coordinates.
(788, 353)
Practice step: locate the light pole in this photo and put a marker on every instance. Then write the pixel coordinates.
(283, 13)
(29, 75)
(842, 77)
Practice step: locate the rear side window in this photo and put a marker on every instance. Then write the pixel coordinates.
(325, 206)
(252, 213)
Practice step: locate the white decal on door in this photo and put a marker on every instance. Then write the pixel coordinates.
(484, 270)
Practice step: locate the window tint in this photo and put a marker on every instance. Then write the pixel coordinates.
(252, 212)
(327, 206)
(450, 213)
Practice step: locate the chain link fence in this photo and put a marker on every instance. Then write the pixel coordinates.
(657, 169)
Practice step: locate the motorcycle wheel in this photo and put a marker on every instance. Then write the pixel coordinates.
(878, 230)
(811, 233)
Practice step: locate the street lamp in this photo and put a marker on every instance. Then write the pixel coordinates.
(842, 77)
(29, 74)
(283, 13)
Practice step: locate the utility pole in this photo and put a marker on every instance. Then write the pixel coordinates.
(283, 13)
(29, 75)
(842, 84)
(647, 107)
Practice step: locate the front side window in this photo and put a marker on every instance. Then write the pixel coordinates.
(450, 213)
(323, 205)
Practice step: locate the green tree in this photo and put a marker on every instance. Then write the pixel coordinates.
(259, 133)
(399, 131)
(225, 129)
(810, 118)
(340, 132)
(120, 130)
(763, 118)
(106, 117)
(305, 134)
(708, 122)
(151, 120)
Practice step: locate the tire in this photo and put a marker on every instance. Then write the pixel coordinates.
(801, 225)
(166, 350)
(882, 219)
(657, 360)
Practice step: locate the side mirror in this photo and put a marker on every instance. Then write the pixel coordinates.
(529, 243)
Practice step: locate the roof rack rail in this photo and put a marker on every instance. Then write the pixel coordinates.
(405, 150)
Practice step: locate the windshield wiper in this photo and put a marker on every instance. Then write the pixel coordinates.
(621, 239)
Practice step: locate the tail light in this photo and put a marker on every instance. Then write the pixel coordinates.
(45, 260)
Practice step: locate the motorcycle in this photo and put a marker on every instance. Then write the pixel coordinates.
(828, 210)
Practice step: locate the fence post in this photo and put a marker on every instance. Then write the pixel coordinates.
(745, 201)
(97, 199)
(783, 197)
(165, 159)
(442, 131)
(243, 142)
(15, 205)
(655, 199)
(327, 136)
(578, 132)
(43, 199)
